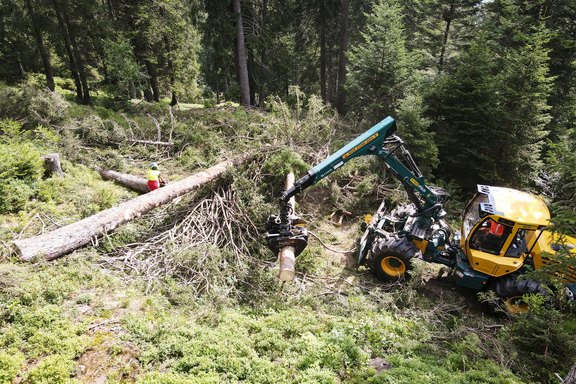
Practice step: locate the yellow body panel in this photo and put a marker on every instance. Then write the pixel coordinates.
(521, 207)
(543, 252)
(420, 244)
(493, 265)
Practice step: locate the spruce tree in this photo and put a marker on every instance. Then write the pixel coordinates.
(462, 105)
(523, 112)
(380, 65)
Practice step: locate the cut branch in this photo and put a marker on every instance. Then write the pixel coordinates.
(66, 239)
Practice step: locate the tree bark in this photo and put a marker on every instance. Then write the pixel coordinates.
(571, 377)
(61, 241)
(342, 59)
(241, 57)
(41, 47)
(135, 183)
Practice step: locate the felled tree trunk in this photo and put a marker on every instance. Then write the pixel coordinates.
(66, 239)
(52, 164)
(135, 183)
(287, 254)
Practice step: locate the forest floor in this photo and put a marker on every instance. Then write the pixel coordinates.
(129, 309)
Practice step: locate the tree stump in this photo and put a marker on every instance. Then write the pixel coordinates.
(52, 165)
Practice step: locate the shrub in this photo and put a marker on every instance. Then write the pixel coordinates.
(14, 194)
(544, 337)
(35, 106)
(53, 369)
(20, 161)
(10, 129)
(10, 364)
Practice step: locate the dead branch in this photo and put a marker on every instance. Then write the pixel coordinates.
(150, 142)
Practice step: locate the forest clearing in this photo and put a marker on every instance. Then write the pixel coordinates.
(253, 119)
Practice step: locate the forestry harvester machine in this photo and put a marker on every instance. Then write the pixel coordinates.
(503, 230)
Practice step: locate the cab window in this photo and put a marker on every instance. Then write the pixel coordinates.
(490, 236)
(519, 245)
(472, 214)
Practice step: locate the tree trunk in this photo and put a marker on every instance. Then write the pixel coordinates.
(344, 26)
(52, 165)
(152, 142)
(448, 17)
(41, 47)
(68, 46)
(171, 71)
(251, 80)
(21, 68)
(264, 58)
(151, 69)
(61, 241)
(241, 57)
(132, 88)
(111, 9)
(323, 90)
(135, 183)
(86, 99)
(571, 377)
(287, 254)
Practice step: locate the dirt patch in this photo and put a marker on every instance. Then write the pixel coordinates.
(109, 360)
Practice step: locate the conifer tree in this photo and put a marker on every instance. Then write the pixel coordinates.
(380, 65)
(523, 112)
(462, 105)
(414, 129)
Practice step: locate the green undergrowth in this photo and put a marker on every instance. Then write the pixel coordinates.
(92, 316)
(65, 320)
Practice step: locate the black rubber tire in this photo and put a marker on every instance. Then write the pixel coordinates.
(510, 292)
(391, 259)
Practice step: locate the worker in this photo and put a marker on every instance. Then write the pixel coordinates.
(489, 236)
(155, 180)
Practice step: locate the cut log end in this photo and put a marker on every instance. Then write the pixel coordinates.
(287, 263)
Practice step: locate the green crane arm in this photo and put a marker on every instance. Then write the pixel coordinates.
(375, 142)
